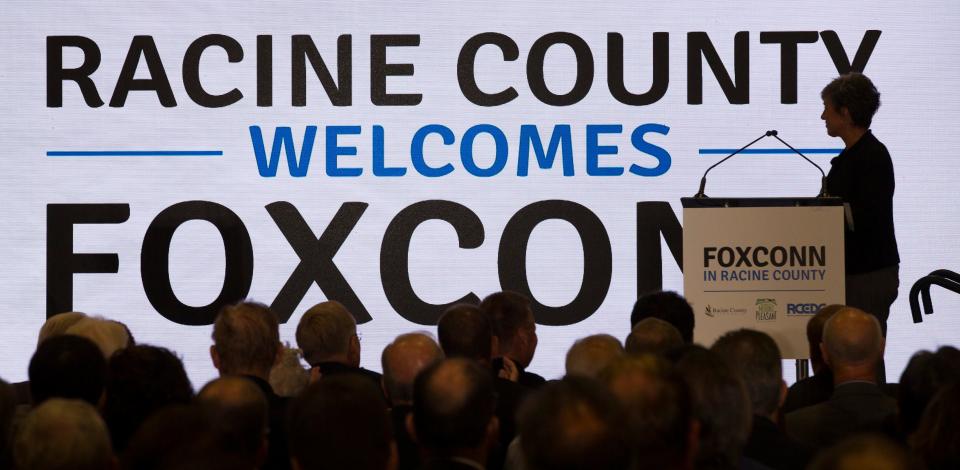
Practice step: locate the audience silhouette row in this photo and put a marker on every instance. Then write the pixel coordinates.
(462, 397)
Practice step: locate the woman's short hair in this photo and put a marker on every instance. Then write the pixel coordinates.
(855, 92)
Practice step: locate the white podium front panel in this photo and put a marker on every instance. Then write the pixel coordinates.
(763, 268)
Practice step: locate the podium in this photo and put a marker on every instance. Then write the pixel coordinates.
(766, 264)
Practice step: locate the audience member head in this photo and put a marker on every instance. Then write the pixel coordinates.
(67, 366)
(659, 408)
(453, 410)
(327, 332)
(573, 424)
(182, 437)
(140, 380)
(937, 439)
(815, 335)
(402, 360)
(58, 325)
(925, 375)
(341, 422)
(110, 336)
(864, 452)
(721, 405)
(465, 331)
(856, 93)
(667, 306)
(588, 356)
(755, 356)
(238, 413)
(63, 434)
(246, 340)
(513, 325)
(653, 335)
(852, 345)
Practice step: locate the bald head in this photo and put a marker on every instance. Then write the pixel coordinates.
(653, 335)
(852, 338)
(326, 332)
(231, 391)
(62, 434)
(658, 406)
(453, 405)
(403, 359)
(238, 412)
(588, 356)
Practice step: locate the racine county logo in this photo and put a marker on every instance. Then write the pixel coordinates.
(712, 311)
(766, 309)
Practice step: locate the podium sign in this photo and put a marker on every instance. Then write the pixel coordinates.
(763, 264)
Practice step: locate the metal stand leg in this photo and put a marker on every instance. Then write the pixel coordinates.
(803, 370)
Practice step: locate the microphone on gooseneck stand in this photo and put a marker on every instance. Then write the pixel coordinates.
(823, 176)
(703, 180)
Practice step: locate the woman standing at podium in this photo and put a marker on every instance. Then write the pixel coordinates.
(862, 175)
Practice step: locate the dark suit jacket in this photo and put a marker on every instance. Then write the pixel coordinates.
(771, 447)
(407, 450)
(853, 408)
(278, 456)
(810, 391)
(334, 368)
(509, 397)
(329, 369)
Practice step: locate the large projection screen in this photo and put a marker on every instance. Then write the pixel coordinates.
(437, 131)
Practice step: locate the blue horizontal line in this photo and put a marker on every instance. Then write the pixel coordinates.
(135, 153)
(768, 151)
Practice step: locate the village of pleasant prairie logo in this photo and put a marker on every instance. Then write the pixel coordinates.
(766, 309)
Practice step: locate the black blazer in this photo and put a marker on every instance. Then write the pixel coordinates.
(853, 408)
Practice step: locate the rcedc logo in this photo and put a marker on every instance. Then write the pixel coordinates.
(803, 309)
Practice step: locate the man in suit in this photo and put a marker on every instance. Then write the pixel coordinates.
(755, 356)
(663, 431)
(453, 416)
(238, 414)
(516, 333)
(327, 334)
(853, 347)
(818, 387)
(402, 360)
(341, 422)
(465, 331)
(574, 423)
(63, 433)
(246, 342)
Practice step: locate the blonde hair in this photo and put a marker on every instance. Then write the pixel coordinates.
(58, 325)
(110, 336)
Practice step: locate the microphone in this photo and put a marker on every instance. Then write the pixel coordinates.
(823, 176)
(703, 180)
